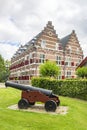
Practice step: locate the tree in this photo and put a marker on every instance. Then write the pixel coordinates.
(82, 72)
(49, 69)
(4, 71)
(2, 65)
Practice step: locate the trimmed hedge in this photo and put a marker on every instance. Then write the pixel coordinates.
(71, 88)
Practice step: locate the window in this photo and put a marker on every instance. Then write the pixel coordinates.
(68, 61)
(42, 58)
(60, 75)
(68, 74)
(72, 63)
(43, 43)
(30, 55)
(77, 51)
(78, 62)
(58, 60)
(57, 45)
(69, 50)
(31, 58)
(26, 57)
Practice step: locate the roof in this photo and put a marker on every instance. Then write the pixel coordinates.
(83, 62)
(23, 48)
(32, 41)
(65, 40)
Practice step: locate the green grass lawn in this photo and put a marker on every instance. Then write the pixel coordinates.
(75, 119)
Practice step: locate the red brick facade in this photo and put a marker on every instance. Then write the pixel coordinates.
(66, 52)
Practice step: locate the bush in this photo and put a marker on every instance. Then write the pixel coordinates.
(71, 88)
(49, 69)
(82, 72)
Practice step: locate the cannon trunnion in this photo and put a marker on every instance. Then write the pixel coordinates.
(30, 95)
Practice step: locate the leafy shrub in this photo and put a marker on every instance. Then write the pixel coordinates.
(49, 69)
(82, 72)
(71, 88)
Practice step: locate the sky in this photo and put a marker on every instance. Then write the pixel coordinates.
(21, 20)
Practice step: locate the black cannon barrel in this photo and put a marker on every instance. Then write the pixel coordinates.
(26, 88)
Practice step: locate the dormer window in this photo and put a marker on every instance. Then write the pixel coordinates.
(43, 43)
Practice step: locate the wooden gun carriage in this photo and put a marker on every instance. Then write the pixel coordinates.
(30, 95)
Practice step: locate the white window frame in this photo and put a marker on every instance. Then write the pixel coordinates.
(43, 43)
(30, 56)
(68, 73)
(58, 60)
(77, 51)
(70, 49)
(68, 61)
(42, 58)
(57, 46)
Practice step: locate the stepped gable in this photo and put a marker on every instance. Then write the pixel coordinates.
(67, 38)
(49, 30)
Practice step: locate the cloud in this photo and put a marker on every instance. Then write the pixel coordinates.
(7, 50)
(21, 20)
(8, 30)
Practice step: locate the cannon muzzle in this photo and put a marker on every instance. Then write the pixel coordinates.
(27, 88)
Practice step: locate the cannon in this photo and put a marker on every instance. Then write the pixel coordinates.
(30, 95)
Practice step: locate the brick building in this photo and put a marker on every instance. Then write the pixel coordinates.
(66, 52)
